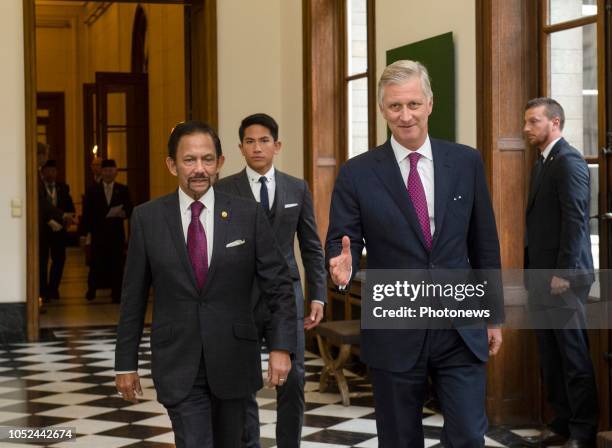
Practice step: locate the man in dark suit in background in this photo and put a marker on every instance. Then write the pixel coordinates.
(417, 203)
(56, 213)
(203, 251)
(288, 205)
(106, 206)
(558, 238)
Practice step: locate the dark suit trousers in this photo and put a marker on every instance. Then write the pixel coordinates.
(459, 378)
(106, 265)
(204, 421)
(569, 378)
(50, 278)
(289, 404)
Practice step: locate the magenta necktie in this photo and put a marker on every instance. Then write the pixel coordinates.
(417, 197)
(196, 244)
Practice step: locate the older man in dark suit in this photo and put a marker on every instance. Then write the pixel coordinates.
(56, 213)
(418, 203)
(203, 251)
(288, 204)
(106, 206)
(558, 251)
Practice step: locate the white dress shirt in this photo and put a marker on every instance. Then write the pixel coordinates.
(425, 167)
(549, 148)
(52, 192)
(207, 217)
(254, 177)
(108, 191)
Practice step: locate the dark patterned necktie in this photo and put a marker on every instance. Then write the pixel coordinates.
(418, 199)
(537, 171)
(264, 198)
(197, 244)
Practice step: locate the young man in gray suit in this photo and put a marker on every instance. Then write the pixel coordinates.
(203, 251)
(288, 204)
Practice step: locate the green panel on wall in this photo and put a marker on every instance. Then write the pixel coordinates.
(438, 55)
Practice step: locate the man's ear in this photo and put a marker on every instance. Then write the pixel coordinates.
(220, 162)
(277, 146)
(431, 102)
(171, 164)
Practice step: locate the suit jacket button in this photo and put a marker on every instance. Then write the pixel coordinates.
(432, 266)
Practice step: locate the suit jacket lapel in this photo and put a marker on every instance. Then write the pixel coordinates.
(390, 175)
(173, 219)
(279, 199)
(443, 182)
(536, 184)
(243, 185)
(221, 219)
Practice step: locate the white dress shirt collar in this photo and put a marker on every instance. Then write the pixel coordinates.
(549, 148)
(208, 199)
(254, 176)
(401, 152)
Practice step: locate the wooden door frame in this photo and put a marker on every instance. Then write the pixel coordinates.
(137, 132)
(204, 100)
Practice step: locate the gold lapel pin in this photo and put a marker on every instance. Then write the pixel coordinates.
(224, 214)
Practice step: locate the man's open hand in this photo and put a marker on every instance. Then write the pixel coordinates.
(340, 266)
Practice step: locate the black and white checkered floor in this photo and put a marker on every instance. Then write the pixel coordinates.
(68, 381)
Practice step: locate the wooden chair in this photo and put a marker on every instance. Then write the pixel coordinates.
(344, 334)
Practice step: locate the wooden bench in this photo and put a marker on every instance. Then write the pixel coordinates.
(344, 334)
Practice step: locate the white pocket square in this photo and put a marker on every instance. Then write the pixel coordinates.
(294, 204)
(235, 243)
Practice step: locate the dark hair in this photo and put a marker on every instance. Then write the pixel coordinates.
(50, 163)
(264, 120)
(553, 108)
(108, 163)
(189, 128)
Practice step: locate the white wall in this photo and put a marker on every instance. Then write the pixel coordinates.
(12, 153)
(399, 22)
(260, 70)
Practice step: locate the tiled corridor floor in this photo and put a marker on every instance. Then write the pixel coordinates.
(67, 380)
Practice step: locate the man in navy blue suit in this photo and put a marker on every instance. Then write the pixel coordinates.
(558, 238)
(417, 203)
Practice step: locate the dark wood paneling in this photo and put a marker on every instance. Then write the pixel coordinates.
(202, 62)
(55, 126)
(504, 71)
(604, 355)
(324, 132)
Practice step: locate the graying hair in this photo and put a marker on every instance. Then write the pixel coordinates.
(400, 72)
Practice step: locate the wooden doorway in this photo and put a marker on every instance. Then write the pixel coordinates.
(51, 127)
(201, 82)
(121, 123)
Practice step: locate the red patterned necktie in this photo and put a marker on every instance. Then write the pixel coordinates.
(197, 245)
(417, 197)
